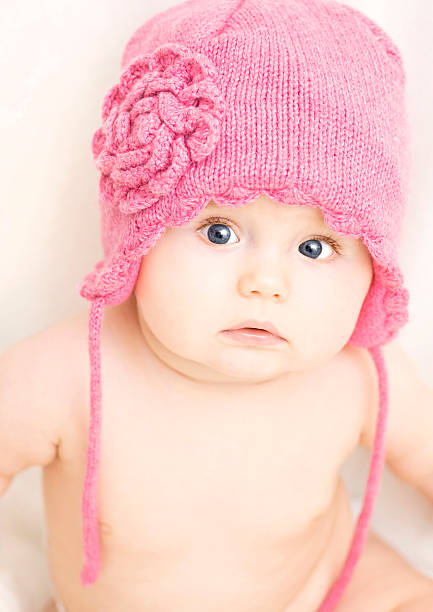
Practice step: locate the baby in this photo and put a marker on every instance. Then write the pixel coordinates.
(242, 327)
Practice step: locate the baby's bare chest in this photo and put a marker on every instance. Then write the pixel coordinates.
(177, 469)
(236, 490)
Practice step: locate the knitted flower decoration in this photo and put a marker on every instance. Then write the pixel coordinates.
(164, 115)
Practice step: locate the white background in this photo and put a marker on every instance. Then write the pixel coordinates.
(58, 59)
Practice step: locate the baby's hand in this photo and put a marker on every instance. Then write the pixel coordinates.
(409, 429)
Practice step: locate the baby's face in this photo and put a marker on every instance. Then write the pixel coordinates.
(263, 261)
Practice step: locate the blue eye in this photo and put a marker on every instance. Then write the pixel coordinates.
(312, 248)
(218, 233)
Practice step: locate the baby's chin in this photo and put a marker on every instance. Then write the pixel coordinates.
(250, 366)
(258, 365)
(228, 372)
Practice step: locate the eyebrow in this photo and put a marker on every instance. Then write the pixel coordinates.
(212, 206)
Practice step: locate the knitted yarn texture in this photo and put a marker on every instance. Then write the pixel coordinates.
(299, 100)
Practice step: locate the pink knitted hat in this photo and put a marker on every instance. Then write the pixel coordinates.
(300, 100)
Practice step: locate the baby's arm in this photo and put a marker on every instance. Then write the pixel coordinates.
(32, 394)
(409, 429)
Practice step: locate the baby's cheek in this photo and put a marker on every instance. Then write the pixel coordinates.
(322, 322)
(340, 317)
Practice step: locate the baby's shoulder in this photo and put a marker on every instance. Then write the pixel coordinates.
(39, 380)
(58, 353)
(47, 352)
(67, 341)
(347, 381)
(351, 369)
(357, 378)
(354, 369)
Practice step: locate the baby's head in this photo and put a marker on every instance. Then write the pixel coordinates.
(263, 261)
(290, 117)
(272, 113)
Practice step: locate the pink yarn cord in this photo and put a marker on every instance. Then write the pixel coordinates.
(373, 483)
(90, 570)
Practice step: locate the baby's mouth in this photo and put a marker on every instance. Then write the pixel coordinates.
(252, 335)
(253, 331)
